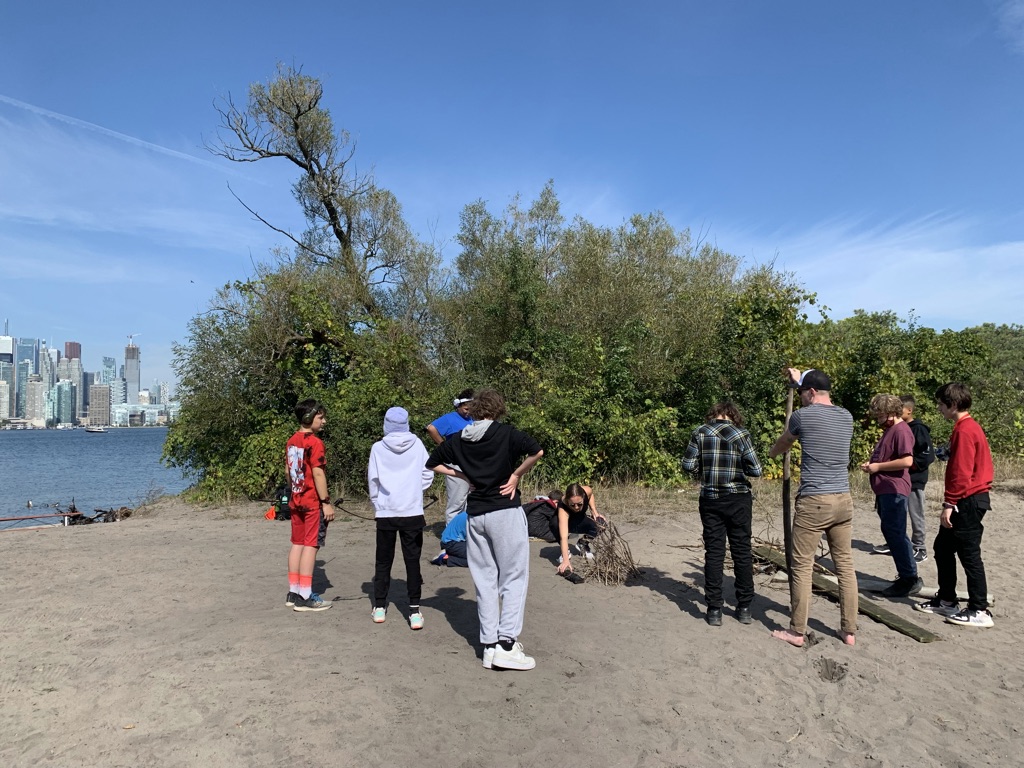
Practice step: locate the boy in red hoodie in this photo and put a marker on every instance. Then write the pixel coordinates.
(966, 500)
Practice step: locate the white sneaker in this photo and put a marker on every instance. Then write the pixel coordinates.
(514, 659)
(967, 618)
(488, 657)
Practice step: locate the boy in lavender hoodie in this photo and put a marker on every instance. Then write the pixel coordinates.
(397, 478)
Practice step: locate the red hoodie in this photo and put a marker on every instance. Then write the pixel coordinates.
(970, 461)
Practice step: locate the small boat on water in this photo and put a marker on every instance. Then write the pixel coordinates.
(95, 429)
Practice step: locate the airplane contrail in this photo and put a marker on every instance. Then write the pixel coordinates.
(108, 132)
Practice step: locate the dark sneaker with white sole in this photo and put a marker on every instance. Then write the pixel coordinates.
(290, 599)
(903, 587)
(920, 555)
(311, 603)
(881, 549)
(938, 607)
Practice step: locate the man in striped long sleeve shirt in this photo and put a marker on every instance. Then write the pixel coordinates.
(721, 452)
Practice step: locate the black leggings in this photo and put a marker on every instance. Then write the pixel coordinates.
(410, 531)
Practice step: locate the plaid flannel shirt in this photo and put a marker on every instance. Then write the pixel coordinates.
(723, 455)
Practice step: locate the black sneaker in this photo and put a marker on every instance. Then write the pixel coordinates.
(743, 615)
(903, 587)
(938, 607)
(311, 603)
(881, 549)
(920, 555)
(714, 617)
(291, 598)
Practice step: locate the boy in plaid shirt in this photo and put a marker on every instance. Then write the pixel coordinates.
(721, 452)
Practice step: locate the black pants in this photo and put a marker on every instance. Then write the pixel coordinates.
(964, 539)
(456, 551)
(727, 517)
(579, 522)
(410, 531)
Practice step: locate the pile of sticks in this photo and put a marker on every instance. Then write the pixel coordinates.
(613, 563)
(101, 516)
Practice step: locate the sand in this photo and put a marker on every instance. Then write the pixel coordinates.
(163, 640)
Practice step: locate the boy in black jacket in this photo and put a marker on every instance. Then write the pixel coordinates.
(923, 456)
(490, 456)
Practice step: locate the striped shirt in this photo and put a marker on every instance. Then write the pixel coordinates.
(825, 432)
(724, 457)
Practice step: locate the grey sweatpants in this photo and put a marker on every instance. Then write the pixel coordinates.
(456, 490)
(915, 505)
(498, 549)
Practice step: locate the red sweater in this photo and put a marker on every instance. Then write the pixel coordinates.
(970, 461)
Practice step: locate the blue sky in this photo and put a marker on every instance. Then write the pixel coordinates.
(874, 149)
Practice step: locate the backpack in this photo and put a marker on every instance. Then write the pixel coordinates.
(281, 508)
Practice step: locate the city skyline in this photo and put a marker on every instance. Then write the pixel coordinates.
(840, 143)
(43, 387)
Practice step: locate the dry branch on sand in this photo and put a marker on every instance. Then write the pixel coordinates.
(612, 563)
(102, 516)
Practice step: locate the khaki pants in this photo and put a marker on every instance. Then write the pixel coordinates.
(831, 514)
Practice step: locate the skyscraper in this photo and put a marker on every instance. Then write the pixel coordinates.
(35, 400)
(132, 373)
(109, 372)
(47, 367)
(65, 396)
(7, 376)
(24, 370)
(72, 349)
(26, 362)
(99, 405)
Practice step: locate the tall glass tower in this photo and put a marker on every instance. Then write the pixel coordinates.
(132, 373)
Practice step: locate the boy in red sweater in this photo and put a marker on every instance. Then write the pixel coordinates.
(968, 481)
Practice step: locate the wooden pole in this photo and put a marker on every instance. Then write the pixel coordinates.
(787, 512)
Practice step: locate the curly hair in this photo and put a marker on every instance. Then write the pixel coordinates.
(728, 409)
(886, 405)
(488, 404)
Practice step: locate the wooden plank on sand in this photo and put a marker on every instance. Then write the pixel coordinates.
(867, 607)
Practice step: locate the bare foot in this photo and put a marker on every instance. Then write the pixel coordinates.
(790, 637)
(847, 637)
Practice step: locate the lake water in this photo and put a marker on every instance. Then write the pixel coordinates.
(120, 467)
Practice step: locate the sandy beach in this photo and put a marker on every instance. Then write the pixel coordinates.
(164, 640)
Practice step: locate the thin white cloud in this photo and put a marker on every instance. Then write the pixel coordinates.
(940, 267)
(1010, 16)
(58, 177)
(77, 123)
